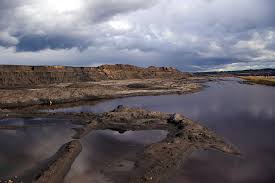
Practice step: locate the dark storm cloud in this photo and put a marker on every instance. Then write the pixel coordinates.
(190, 34)
(8, 4)
(41, 42)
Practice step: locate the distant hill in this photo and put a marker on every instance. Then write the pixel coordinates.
(24, 76)
(257, 72)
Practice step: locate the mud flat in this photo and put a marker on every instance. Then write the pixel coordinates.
(158, 161)
(73, 92)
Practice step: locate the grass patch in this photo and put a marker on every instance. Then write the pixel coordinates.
(263, 80)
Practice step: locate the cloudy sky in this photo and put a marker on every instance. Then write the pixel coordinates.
(192, 35)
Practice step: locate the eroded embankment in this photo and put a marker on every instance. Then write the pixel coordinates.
(159, 161)
(17, 76)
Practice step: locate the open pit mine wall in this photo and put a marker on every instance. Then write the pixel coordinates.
(28, 76)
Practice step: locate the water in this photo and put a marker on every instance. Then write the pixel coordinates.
(108, 156)
(243, 114)
(23, 149)
(33, 122)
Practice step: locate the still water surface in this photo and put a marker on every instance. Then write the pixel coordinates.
(243, 114)
(106, 155)
(24, 149)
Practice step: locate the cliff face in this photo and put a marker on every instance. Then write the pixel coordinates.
(27, 76)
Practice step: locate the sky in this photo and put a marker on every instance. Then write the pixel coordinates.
(191, 35)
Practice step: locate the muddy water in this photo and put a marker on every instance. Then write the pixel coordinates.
(243, 114)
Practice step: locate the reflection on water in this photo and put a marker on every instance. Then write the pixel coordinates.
(243, 114)
(33, 121)
(23, 149)
(108, 156)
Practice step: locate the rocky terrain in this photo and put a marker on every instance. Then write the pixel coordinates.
(155, 164)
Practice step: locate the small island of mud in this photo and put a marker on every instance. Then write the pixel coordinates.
(158, 161)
